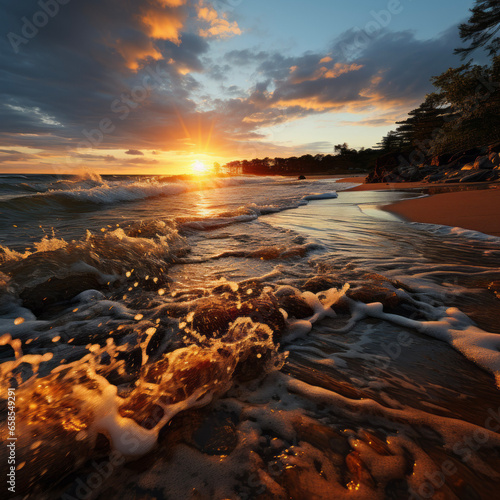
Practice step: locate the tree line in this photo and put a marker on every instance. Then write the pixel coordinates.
(344, 161)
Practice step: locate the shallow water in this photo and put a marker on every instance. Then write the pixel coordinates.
(243, 339)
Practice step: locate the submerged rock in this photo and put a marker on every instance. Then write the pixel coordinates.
(372, 292)
(320, 283)
(212, 432)
(39, 297)
(296, 306)
(214, 318)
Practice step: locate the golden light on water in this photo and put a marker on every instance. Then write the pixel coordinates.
(198, 167)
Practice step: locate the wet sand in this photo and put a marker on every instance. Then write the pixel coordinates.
(473, 206)
(477, 210)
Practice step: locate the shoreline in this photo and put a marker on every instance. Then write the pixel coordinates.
(473, 206)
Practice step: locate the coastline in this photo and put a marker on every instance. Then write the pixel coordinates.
(474, 206)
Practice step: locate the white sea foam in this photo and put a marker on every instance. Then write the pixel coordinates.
(454, 327)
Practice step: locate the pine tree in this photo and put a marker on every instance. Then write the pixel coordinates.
(481, 28)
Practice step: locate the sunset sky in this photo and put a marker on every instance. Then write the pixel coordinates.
(150, 86)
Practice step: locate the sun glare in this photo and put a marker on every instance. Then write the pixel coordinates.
(199, 167)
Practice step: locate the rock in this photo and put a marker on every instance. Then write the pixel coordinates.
(212, 432)
(302, 177)
(39, 297)
(483, 162)
(266, 312)
(296, 307)
(494, 148)
(494, 175)
(461, 159)
(253, 366)
(374, 292)
(216, 434)
(494, 159)
(478, 176)
(321, 283)
(213, 318)
(441, 160)
(386, 168)
(435, 177)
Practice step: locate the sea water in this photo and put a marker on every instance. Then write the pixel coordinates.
(244, 337)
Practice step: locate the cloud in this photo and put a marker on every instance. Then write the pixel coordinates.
(215, 25)
(94, 157)
(141, 161)
(134, 152)
(114, 75)
(392, 71)
(245, 57)
(10, 151)
(370, 122)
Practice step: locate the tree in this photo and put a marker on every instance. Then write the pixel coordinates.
(391, 142)
(481, 28)
(343, 149)
(431, 115)
(474, 97)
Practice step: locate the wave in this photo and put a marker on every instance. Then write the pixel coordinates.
(82, 194)
(94, 192)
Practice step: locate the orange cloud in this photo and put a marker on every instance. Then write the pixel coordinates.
(312, 103)
(340, 68)
(216, 26)
(163, 25)
(172, 3)
(133, 54)
(324, 72)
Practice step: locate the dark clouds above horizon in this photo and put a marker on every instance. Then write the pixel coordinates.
(145, 72)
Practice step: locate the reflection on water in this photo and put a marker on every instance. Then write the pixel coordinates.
(196, 340)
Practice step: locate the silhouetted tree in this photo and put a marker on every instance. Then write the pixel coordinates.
(481, 28)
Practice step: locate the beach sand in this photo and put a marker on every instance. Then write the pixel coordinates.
(473, 206)
(478, 210)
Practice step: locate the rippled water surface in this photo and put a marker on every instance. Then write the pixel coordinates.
(245, 338)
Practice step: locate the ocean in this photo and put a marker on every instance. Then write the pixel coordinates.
(243, 338)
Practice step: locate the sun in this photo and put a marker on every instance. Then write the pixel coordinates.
(198, 167)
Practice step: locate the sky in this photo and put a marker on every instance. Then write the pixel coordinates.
(155, 86)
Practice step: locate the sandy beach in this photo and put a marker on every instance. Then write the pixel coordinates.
(478, 210)
(473, 206)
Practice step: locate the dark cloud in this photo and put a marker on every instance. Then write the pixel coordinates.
(10, 151)
(114, 74)
(218, 72)
(318, 146)
(80, 69)
(106, 158)
(393, 68)
(134, 152)
(245, 57)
